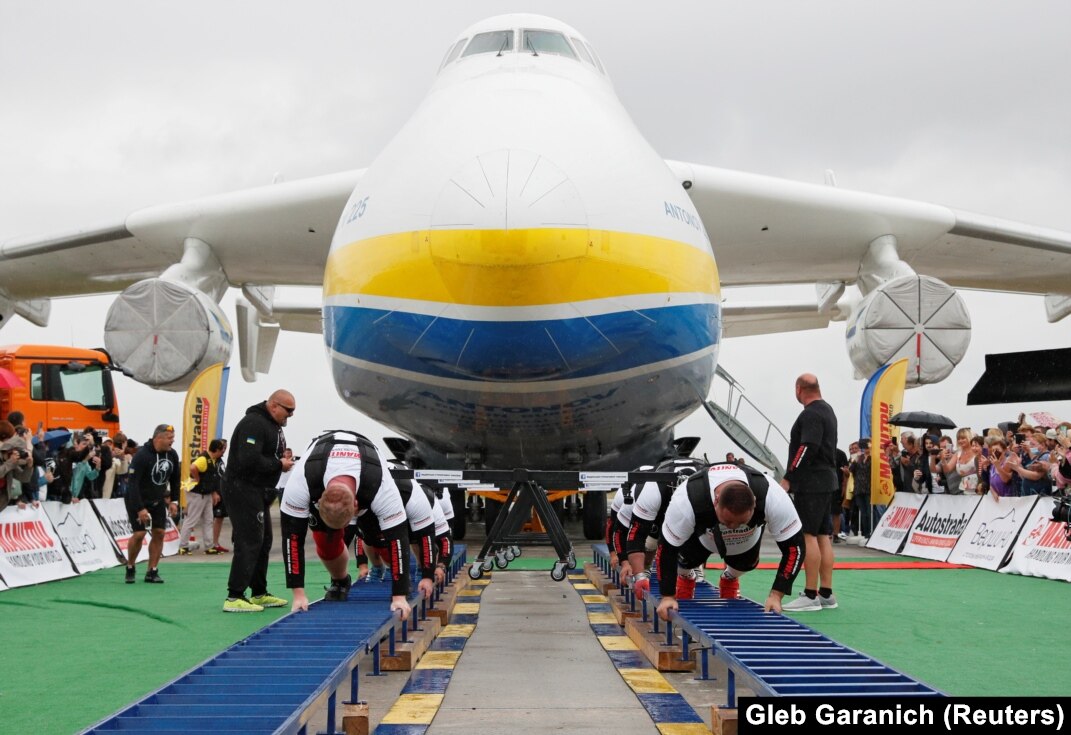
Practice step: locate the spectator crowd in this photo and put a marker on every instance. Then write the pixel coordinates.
(1015, 458)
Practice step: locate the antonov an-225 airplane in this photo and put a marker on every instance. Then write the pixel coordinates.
(519, 280)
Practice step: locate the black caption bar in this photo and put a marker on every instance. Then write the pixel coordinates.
(975, 715)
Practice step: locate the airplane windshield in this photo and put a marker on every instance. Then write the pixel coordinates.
(583, 51)
(453, 52)
(547, 42)
(490, 43)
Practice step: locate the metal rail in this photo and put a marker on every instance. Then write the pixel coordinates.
(278, 678)
(771, 654)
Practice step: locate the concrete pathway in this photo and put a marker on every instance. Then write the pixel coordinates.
(533, 665)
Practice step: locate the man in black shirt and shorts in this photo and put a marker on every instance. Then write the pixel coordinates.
(812, 478)
(154, 482)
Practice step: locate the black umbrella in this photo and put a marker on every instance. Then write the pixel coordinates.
(922, 420)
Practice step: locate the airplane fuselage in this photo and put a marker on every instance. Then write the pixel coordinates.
(518, 280)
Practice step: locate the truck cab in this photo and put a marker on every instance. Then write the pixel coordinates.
(60, 387)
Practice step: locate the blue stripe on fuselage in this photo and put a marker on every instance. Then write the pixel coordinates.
(520, 350)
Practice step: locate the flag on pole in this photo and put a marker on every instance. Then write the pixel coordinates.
(200, 417)
(887, 400)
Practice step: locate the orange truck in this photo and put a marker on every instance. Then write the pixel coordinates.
(56, 386)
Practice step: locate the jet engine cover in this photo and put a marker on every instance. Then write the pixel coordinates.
(166, 333)
(918, 317)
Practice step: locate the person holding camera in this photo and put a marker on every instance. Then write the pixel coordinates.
(914, 465)
(16, 471)
(86, 470)
(94, 488)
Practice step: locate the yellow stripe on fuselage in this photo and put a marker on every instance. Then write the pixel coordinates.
(518, 267)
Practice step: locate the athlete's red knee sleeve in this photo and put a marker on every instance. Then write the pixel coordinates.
(329, 544)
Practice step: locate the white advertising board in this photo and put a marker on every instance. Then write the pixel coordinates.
(987, 540)
(30, 549)
(938, 526)
(896, 522)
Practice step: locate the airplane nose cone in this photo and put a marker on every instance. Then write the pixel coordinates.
(508, 209)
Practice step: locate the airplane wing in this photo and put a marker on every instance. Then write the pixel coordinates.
(278, 234)
(747, 319)
(767, 231)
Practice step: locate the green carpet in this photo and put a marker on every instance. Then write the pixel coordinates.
(967, 632)
(79, 649)
(91, 645)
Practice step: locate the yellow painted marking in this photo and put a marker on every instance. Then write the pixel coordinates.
(597, 618)
(584, 586)
(439, 660)
(480, 582)
(594, 598)
(523, 267)
(467, 608)
(646, 681)
(683, 728)
(470, 593)
(617, 643)
(414, 709)
(462, 630)
(578, 576)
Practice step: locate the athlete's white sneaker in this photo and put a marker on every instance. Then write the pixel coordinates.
(803, 603)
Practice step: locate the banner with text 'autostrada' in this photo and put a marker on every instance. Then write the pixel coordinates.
(30, 550)
(887, 398)
(987, 540)
(939, 525)
(89, 545)
(116, 522)
(1043, 549)
(200, 418)
(896, 522)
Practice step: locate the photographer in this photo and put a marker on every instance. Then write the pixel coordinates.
(943, 468)
(85, 471)
(1032, 466)
(16, 471)
(914, 466)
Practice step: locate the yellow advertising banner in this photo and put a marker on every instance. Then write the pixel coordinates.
(888, 401)
(199, 418)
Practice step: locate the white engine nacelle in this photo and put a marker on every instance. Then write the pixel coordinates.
(918, 317)
(166, 333)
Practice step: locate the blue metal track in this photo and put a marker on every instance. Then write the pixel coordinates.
(773, 655)
(278, 678)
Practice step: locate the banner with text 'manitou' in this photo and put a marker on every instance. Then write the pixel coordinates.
(887, 398)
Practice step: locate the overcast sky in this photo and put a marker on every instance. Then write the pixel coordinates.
(111, 106)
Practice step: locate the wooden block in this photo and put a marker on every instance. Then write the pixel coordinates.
(723, 721)
(653, 645)
(406, 655)
(355, 718)
(621, 609)
(602, 583)
(444, 607)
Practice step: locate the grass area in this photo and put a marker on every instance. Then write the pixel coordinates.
(93, 644)
(968, 632)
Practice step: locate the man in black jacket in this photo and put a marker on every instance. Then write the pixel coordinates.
(253, 468)
(813, 479)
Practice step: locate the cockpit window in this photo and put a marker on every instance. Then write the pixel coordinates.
(492, 42)
(453, 52)
(582, 51)
(547, 42)
(598, 64)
